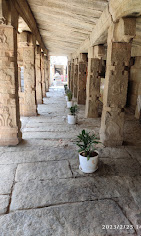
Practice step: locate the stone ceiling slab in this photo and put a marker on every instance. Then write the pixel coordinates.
(64, 25)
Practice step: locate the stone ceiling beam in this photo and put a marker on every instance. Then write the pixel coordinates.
(25, 12)
(116, 10)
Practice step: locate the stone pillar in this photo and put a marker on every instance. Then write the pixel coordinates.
(46, 73)
(9, 102)
(82, 76)
(71, 75)
(93, 81)
(27, 43)
(49, 80)
(116, 82)
(43, 75)
(138, 107)
(75, 78)
(39, 96)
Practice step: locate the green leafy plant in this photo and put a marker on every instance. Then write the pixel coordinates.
(69, 94)
(86, 143)
(74, 110)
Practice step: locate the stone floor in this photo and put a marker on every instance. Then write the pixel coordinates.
(42, 191)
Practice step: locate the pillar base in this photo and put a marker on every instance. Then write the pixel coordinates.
(39, 101)
(8, 136)
(112, 124)
(26, 112)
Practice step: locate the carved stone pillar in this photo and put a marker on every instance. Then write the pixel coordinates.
(138, 107)
(9, 102)
(69, 73)
(82, 76)
(71, 76)
(116, 82)
(75, 78)
(46, 74)
(43, 75)
(27, 44)
(48, 63)
(39, 96)
(93, 81)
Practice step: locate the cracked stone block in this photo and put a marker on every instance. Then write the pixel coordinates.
(7, 173)
(77, 219)
(43, 171)
(4, 202)
(135, 152)
(134, 185)
(35, 193)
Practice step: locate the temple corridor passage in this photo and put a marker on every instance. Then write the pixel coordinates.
(42, 191)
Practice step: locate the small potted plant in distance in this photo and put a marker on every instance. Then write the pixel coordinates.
(69, 102)
(65, 88)
(88, 156)
(66, 91)
(72, 116)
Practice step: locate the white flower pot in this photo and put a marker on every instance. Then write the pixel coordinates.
(71, 119)
(69, 104)
(66, 98)
(88, 166)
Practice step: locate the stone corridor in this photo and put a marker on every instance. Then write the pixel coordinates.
(42, 191)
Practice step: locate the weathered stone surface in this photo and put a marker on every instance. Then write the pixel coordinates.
(52, 153)
(27, 43)
(43, 171)
(134, 185)
(9, 106)
(81, 93)
(7, 173)
(108, 152)
(110, 167)
(39, 95)
(78, 219)
(35, 194)
(4, 202)
(75, 21)
(93, 83)
(115, 92)
(135, 152)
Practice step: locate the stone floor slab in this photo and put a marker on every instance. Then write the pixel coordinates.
(43, 171)
(7, 173)
(35, 193)
(78, 219)
(37, 155)
(4, 202)
(110, 167)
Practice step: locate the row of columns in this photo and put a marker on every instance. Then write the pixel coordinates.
(13, 101)
(116, 80)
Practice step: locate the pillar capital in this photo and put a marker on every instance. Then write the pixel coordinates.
(82, 57)
(38, 49)
(26, 38)
(96, 51)
(122, 31)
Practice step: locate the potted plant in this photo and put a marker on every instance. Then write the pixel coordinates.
(65, 88)
(69, 102)
(72, 116)
(67, 91)
(88, 156)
